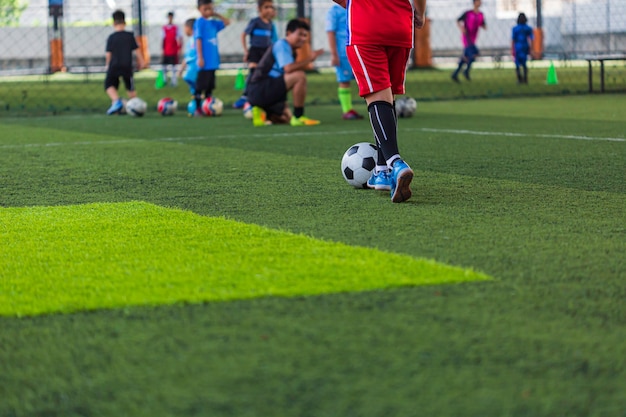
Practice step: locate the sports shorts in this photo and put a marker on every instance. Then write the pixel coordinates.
(344, 70)
(170, 60)
(269, 93)
(112, 78)
(470, 52)
(205, 82)
(255, 53)
(378, 67)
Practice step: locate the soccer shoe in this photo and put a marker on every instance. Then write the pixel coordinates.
(351, 115)
(240, 102)
(259, 118)
(455, 78)
(380, 181)
(115, 107)
(401, 177)
(303, 121)
(467, 76)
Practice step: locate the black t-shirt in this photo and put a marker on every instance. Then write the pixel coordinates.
(121, 45)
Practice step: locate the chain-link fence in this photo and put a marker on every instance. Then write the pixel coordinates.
(52, 51)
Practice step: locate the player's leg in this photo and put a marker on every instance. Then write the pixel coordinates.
(518, 69)
(265, 95)
(470, 55)
(524, 59)
(296, 83)
(462, 62)
(174, 81)
(380, 73)
(344, 92)
(211, 83)
(111, 85)
(202, 84)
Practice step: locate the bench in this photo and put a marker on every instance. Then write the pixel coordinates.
(601, 59)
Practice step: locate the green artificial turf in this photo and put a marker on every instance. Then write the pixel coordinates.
(63, 93)
(67, 259)
(531, 191)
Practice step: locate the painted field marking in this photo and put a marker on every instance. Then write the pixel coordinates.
(314, 132)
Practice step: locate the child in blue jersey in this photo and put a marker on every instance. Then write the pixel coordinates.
(521, 42)
(205, 35)
(336, 30)
(189, 68)
(262, 34)
(278, 73)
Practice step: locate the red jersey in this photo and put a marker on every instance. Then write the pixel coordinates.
(380, 22)
(170, 40)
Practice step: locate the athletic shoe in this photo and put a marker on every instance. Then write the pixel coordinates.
(259, 118)
(303, 121)
(115, 107)
(380, 181)
(401, 177)
(352, 115)
(466, 74)
(240, 102)
(455, 78)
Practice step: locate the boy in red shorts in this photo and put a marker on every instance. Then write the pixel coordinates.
(380, 38)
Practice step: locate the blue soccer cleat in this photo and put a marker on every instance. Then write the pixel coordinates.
(401, 177)
(115, 107)
(240, 102)
(380, 181)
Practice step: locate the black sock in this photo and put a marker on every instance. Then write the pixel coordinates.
(456, 73)
(384, 125)
(298, 111)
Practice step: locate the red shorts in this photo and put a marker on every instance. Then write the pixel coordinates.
(377, 68)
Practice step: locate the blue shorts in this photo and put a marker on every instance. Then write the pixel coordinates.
(344, 70)
(521, 55)
(470, 52)
(190, 78)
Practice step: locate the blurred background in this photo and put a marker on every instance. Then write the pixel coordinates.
(50, 41)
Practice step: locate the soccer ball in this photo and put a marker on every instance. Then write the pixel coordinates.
(212, 106)
(136, 107)
(191, 107)
(167, 106)
(247, 111)
(358, 162)
(124, 103)
(406, 106)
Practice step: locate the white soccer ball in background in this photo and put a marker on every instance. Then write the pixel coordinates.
(212, 106)
(406, 107)
(124, 103)
(358, 162)
(136, 107)
(247, 111)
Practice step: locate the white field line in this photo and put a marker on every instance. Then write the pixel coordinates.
(315, 132)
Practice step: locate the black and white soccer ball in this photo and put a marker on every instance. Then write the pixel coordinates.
(406, 107)
(358, 162)
(136, 107)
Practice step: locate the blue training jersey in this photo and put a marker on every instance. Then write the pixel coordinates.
(336, 22)
(521, 34)
(261, 34)
(191, 59)
(206, 30)
(283, 55)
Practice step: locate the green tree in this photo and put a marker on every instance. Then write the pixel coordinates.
(10, 12)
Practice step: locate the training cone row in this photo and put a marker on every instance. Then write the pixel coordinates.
(552, 78)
